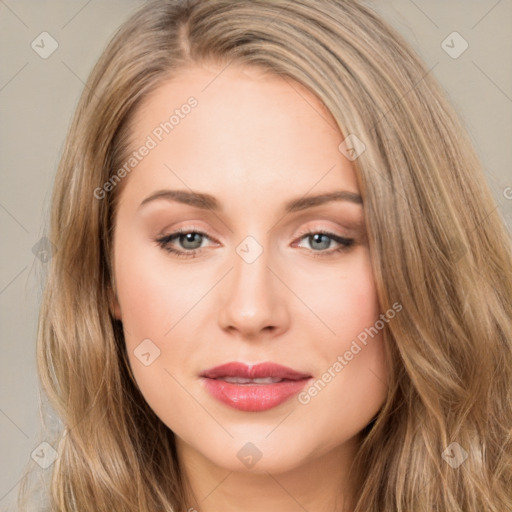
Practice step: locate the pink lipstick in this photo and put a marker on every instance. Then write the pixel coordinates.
(253, 387)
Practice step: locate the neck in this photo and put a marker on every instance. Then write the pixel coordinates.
(319, 484)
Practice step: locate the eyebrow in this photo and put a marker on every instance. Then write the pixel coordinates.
(209, 202)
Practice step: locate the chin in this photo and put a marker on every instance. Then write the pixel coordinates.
(262, 462)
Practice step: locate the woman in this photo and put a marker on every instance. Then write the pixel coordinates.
(265, 368)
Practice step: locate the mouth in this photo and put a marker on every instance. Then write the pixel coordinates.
(243, 381)
(259, 373)
(253, 388)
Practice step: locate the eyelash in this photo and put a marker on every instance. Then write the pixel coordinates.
(345, 243)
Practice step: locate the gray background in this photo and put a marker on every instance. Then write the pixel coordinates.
(38, 97)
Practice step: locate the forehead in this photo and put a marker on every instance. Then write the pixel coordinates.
(250, 132)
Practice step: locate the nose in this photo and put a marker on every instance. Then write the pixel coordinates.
(253, 300)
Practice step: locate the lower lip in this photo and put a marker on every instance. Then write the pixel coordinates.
(253, 398)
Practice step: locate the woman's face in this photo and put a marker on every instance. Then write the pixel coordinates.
(256, 281)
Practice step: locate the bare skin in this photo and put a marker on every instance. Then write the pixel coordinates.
(254, 142)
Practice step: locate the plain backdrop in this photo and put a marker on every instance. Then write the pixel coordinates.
(37, 99)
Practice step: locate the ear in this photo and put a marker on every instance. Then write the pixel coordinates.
(115, 309)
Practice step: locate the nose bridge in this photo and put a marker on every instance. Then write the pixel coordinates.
(253, 300)
(251, 272)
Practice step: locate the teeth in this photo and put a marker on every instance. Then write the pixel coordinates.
(242, 380)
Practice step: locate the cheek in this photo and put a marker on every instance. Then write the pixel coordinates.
(362, 348)
(345, 301)
(352, 380)
(152, 303)
(159, 305)
(151, 295)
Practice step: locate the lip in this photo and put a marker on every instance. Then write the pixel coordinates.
(257, 371)
(253, 397)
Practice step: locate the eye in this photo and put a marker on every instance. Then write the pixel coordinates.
(189, 239)
(320, 240)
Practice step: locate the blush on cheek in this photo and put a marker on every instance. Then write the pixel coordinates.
(352, 306)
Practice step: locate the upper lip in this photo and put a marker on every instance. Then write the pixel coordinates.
(258, 371)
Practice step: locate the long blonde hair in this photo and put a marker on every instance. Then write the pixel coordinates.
(437, 243)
